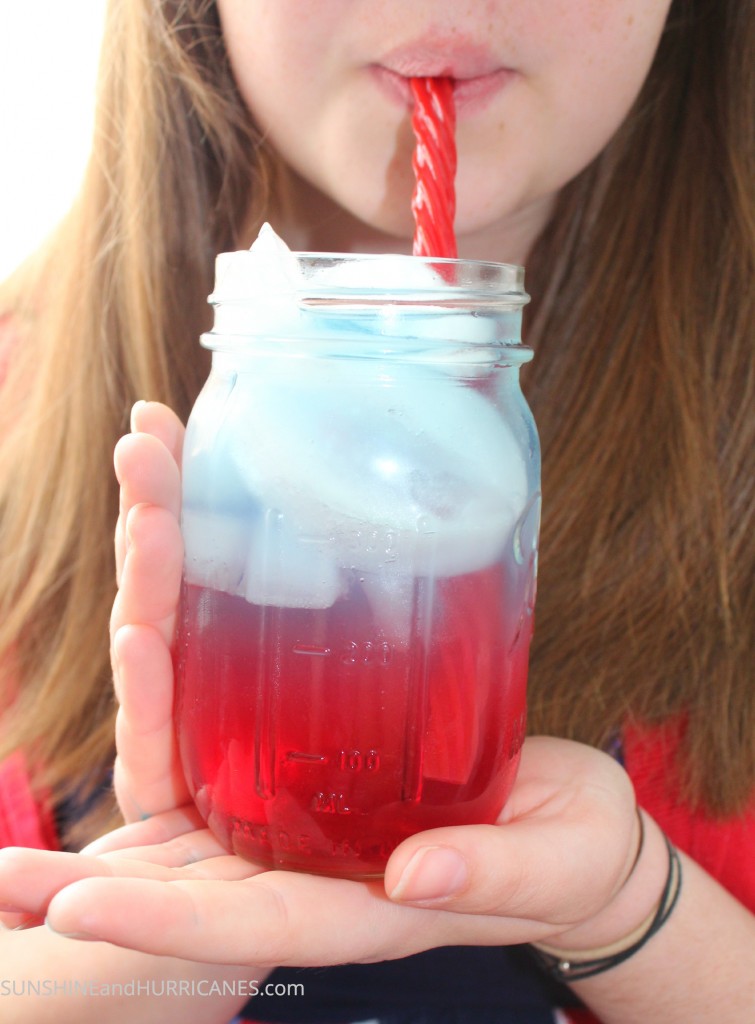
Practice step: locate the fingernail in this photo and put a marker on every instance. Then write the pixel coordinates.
(134, 409)
(85, 936)
(433, 873)
(133, 513)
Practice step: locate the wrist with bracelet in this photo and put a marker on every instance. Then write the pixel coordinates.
(574, 965)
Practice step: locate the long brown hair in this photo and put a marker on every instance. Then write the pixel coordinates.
(642, 387)
(110, 313)
(640, 321)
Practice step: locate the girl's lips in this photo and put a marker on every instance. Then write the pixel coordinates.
(477, 72)
(471, 92)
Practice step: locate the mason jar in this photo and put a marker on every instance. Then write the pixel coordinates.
(361, 497)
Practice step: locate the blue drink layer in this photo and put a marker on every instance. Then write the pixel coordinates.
(315, 456)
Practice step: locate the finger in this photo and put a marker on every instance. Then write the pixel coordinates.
(191, 847)
(148, 473)
(31, 877)
(564, 851)
(288, 919)
(160, 421)
(151, 831)
(151, 574)
(15, 918)
(147, 776)
(163, 424)
(35, 876)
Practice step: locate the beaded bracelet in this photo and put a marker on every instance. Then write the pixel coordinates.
(577, 964)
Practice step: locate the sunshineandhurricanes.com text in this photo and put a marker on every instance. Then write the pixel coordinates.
(156, 988)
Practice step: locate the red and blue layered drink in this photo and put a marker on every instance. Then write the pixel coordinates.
(361, 507)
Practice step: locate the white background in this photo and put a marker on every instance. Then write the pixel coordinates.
(48, 62)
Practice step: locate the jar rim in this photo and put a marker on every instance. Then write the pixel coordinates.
(384, 278)
(307, 258)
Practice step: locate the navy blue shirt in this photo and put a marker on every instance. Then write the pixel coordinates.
(450, 985)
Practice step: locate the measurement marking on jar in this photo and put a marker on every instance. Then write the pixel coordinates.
(371, 847)
(367, 652)
(311, 650)
(269, 838)
(357, 760)
(302, 756)
(330, 803)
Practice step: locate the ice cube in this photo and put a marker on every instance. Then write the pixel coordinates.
(392, 600)
(215, 549)
(257, 288)
(342, 456)
(288, 570)
(384, 273)
(263, 560)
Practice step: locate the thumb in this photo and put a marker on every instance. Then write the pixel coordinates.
(558, 861)
(559, 871)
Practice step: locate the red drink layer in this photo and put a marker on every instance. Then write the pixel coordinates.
(312, 740)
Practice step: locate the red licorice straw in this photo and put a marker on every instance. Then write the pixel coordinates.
(434, 162)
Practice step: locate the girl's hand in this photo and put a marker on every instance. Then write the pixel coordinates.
(162, 884)
(148, 554)
(565, 844)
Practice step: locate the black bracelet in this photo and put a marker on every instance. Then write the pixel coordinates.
(569, 967)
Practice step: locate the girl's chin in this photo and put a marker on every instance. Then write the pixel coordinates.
(485, 228)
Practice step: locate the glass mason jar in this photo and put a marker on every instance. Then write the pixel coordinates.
(360, 515)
